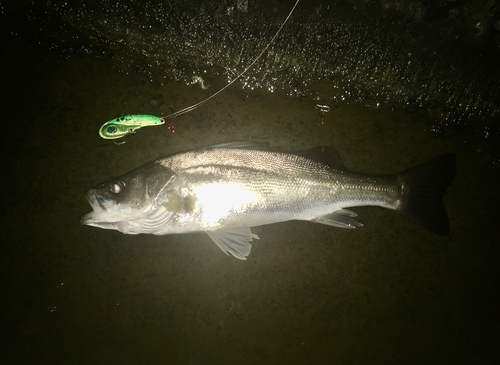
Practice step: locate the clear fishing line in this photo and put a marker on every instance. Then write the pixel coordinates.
(193, 107)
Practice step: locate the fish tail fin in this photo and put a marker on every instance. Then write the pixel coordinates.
(423, 190)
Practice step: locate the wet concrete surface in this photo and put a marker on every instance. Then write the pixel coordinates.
(388, 292)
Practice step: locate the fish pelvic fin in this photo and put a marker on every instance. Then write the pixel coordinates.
(423, 188)
(234, 241)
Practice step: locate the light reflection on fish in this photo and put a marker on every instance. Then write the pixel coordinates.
(224, 190)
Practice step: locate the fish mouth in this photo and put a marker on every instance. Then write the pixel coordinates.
(102, 211)
(108, 214)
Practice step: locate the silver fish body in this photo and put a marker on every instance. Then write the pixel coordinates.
(224, 190)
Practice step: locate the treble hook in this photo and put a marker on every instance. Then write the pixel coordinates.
(131, 131)
(170, 126)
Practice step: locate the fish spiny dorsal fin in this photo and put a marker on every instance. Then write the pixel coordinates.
(323, 154)
(245, 145)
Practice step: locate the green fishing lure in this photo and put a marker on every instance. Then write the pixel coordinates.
(121, 126)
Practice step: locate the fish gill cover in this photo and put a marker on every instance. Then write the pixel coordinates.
(440, 58)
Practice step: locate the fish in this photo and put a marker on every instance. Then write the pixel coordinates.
(226, 189)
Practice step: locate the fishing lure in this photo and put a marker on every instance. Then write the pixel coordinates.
(121, 126)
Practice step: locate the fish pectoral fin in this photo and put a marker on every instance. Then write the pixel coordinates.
(176, 202)
(342, 218)
(234, 241)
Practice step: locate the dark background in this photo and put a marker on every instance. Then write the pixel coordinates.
(388, 292)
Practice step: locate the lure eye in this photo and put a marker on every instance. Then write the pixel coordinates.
(111, 129)
(117, 187)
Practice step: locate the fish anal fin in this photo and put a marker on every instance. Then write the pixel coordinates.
(234, 241)
(342, 218)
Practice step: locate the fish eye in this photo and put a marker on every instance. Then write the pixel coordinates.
(117, 187)
(111, 129)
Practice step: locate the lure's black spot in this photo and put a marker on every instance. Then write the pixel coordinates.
(111, 129)
(122, 118)
(117, 187)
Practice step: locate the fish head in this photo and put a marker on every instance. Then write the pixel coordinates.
(133, 203)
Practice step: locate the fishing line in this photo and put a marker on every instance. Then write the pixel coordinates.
(193, 107)
(128, 124)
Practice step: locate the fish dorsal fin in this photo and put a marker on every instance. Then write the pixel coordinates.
(234, 241)
(323, 154)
